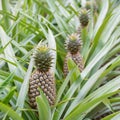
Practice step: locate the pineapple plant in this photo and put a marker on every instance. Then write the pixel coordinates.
(84, 17)
(73, 45)
(23, 25)
(42, 76)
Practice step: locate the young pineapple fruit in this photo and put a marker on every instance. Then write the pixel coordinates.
(73, 45)
(42, 77)
(84, 17)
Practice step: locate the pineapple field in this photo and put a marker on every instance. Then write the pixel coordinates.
(59, 59)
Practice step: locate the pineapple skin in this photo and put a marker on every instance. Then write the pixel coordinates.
(77, 58)
(45, 81)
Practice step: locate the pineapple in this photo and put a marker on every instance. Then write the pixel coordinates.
(42, 77)
(84, 17)
(73, 45)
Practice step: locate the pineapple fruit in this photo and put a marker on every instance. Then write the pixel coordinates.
(84, 17)
(73, 45)
(42, 77)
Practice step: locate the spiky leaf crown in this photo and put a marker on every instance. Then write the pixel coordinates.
(43, 58)
(90, 5)
(73, 43)
(84, 17)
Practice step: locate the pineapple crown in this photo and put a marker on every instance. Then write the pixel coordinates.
(42, 58)
(83, 11)
(84, 17)
(73, 43)
(90, 4)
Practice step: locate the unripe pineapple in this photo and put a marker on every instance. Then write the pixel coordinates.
(73, 45)
(42, 77)
(84, 17)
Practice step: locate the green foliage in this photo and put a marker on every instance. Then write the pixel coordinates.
(43, 107)
(85, 95)
(10, 112)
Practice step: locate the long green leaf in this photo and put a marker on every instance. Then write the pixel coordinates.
(109, 117)
(9, 96)
(9, 53)
(6, 82)
(52, 46)
(78, 111)
(98, 57)
(89, 84)
(63, 86)
(67, 97)
(102, 16)
(43, 107)
(11, 113)
(3, 73)
(24, 88)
